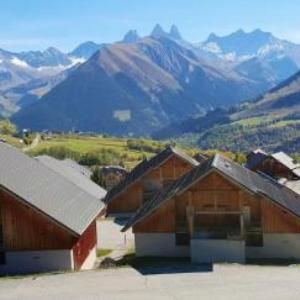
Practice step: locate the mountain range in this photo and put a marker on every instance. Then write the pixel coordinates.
(26, 69)
(271, 121)
(140, 84)
(136, 88)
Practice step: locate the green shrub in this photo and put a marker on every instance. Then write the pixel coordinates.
(98, 177)
(144, 145)
(103, 157)
(59, 152)
(8, 128)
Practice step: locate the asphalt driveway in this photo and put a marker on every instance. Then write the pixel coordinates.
(110, 235)
(225, 282)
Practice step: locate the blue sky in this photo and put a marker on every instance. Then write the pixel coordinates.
(38, 24)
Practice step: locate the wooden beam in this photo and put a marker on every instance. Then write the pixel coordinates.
(215, 212)
(174, 170)
(190, 213)
(160, 174)
(242, 225)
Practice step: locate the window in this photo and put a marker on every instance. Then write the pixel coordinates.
(166, 182)
(1, 230)
(254, 239)
(183, 239)
(150, 188)
(2, 258)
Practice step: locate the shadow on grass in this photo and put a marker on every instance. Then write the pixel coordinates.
(161, 265)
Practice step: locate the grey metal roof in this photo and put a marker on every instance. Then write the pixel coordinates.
(285, 160)
(258, 156)
(252, 181)
(76, 166)
(73, 174)
(146, 166)
(47, 191)
(294, 185)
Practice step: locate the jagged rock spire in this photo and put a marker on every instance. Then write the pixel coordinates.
(131, 36)
(174, 33)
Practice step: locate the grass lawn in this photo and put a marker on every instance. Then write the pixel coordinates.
(12, 140)
(252, 121)
(284, 123)
(103, 252)
(88, 144)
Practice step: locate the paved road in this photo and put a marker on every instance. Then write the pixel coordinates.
(225, 282)
(110, 236)
(34, 143)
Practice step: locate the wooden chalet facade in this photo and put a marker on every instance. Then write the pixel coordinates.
(220, 211)
(277, 165)
(146, 179)
(46, 222)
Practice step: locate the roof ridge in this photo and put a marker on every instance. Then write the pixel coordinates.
(73, 171)
(62, 176)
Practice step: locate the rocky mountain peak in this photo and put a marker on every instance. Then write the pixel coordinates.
(174, 33)
(158, 31)
(131, 36)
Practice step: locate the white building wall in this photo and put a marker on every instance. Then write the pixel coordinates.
(90, 261)
(160, 245)
(277, 246)
(280, 246)
(207, 251)
(22, 262)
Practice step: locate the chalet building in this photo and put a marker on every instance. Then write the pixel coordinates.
(146, 179)
(47, 222)
(277, 165)
(219, 211)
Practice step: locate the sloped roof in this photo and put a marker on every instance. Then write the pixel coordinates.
(293, 185)
(144, 167)
(258, 156)
(76, 166)
(252, 181)
(47, 191)
(285, 160)
(73, 174)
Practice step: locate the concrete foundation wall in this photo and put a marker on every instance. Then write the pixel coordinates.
(89, 263)
(159, 244)
(217, 251)
(22, 262)
(281, 246)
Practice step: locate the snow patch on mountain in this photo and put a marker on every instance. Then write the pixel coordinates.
(18, 62)
(212, 47)
(269, 48)
(77, 60)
